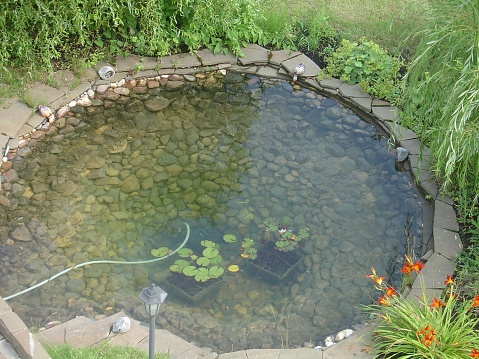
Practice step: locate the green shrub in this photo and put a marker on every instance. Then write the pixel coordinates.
(441, 94)
(101, 351)
(366, 64)
(443, 327)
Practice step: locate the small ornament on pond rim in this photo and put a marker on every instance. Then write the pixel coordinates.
(298, 70)
(46, 112)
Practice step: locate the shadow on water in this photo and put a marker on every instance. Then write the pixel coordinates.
(225, 155)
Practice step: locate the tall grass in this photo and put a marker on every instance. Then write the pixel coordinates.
(441, 95)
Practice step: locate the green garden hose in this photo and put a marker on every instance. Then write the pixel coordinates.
(103, 262)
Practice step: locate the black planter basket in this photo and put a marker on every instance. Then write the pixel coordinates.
(188, 289)
(273, 265)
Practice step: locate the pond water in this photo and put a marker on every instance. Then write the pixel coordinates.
(224, 155)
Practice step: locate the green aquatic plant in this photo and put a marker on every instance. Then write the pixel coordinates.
(279, 232)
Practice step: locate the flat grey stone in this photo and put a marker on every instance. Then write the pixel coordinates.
(234, 355)
(417, 294)
(427, 218)
(447, 243)
(13, 117)
(36, 119)
(301, 353)
(264, 353)
(208, 58)
(282, 55)
(179, 61)
(3, 143)
(347, 90)
(310, 68)
(385, 113)
(434, 273)
(400, 133)
(380, 103)
(115, 78)
(413, 146)
(253, 55)
(445, 199)
(427, 181)
(44, 94)
(363, 103)
(331, 83)
(146, 73)
(418, 162)
(134, 62)
(77, 91)
(445, 216)
(25, 129)
(269, 72)
(356, 346)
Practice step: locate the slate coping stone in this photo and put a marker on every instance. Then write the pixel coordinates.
(434, 273)
(445, 216)
(447, 243)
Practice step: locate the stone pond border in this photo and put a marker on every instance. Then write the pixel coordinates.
(441, 240)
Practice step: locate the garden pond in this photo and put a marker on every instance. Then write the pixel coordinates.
(225, 154)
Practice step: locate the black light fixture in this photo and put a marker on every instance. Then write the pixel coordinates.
(152, 297)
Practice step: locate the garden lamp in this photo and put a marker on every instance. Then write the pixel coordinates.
(152, 297)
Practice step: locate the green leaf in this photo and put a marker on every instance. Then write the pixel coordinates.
(229, 238)
(216, 260)
(208, 244)
(185, 252)
(160, 252)
(203, 261)
(98, 42)
(210, 252)
(202, 275)
(190, 271)
(216, 272)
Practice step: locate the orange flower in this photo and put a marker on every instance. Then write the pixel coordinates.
(448, 280)
(474, 353)
(375, 278)
(427, 335)
(437, 303)
(390, 291)
(383, 300)
(417, 266)
(407, 268)
(475, 301)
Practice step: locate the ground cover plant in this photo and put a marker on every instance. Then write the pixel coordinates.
(102, 351)
(444, 327)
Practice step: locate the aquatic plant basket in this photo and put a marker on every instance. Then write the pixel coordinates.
(285, 265)
(200, 292)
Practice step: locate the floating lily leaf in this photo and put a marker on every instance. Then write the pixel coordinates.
(216, 260)
(203, 261)
(179, 265)
(185, 252)
(202, 275)
(229, 238)
(234, 268)
(160, 252)
(210, 252)
(216, 272)
(208, 244)
(190, 271)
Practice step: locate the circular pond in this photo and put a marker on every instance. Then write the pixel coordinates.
(233, 155)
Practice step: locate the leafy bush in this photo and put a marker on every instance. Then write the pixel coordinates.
(443, 328)
(441, 95)
(33, 33)
(366, 64)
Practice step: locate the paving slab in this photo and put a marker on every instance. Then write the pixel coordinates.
(401, 133)
(445, 216)
(13, 118)
(385, 113)
(208, 58)
(418, 294)
(347, 90)
(363, 103)
(135, 62)
(434, 273)
(179, 61)
(176, 347)
(310, 67)
(447, 243)
(356, 346)
(279, 56)
(253, 55)
(270, 72)
(331, 83)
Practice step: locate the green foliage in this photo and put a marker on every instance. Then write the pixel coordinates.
(285, 239)
(248, 250)
(467, 268)
(34, 33)
(201, 268)
(431, 328)
(229, 238)
(441, 94)
(366, 64)
(102, 351)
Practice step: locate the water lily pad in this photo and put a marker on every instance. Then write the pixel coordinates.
(202, 275)
(210, 252)
(190, 271)
(207, 243)
(216, 260)
(216, 272)
(160, 252)
(229, 238)
(203, 261)
(185, 252)
(234, 268)
(179, 265)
